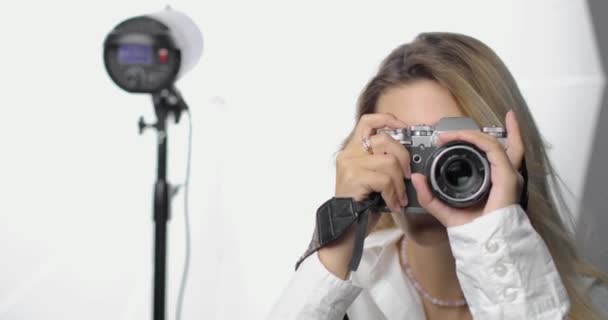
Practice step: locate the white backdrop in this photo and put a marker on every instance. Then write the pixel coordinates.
(272, 98)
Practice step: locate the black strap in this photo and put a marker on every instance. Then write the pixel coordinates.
(359, 239)
(335, 217)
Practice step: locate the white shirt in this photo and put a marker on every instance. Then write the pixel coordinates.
(504, 268)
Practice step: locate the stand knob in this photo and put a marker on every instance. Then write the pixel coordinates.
(142, 125)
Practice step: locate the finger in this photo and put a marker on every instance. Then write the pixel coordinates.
(427, 201)
(382, 183)
(515, 143)
(387, 164)
(372, 121)
(485, 142)
(384, 144)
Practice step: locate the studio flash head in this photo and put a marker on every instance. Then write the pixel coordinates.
(149, 53)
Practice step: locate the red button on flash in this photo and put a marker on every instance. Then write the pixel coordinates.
(163, 55)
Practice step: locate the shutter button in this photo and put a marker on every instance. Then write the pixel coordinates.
(500, 270)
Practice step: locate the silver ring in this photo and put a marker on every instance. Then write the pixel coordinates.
(367, 144)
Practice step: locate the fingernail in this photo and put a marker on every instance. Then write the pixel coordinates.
(404, 199)
(408, 172)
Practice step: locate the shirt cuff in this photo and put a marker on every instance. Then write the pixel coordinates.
(315, 293)
(505, 269)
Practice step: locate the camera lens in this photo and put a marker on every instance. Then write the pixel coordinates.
(459, 174)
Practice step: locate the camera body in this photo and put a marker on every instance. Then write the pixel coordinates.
(458, 172)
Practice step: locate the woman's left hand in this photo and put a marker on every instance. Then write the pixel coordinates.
(504, 166)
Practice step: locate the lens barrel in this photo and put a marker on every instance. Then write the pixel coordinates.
(459, 174)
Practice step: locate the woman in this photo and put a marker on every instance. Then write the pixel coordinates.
(489, 261)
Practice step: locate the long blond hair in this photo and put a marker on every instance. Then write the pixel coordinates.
(485, 90)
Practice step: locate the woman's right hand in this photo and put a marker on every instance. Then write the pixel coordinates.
(359, 173)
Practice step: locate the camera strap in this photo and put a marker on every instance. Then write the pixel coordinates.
(334, 219)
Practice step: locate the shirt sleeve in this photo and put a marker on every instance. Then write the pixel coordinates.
(505, 269)
(598, 292)
(315, 293)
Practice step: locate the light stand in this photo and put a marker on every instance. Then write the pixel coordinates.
(166, 102)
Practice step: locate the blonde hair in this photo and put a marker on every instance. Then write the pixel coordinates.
(485, 90)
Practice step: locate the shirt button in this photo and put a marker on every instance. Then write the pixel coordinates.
(492, 246)
(510, 294)
(500, 270)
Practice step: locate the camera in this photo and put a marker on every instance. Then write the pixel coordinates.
(458, 172)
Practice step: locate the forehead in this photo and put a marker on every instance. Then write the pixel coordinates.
(419, 102)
